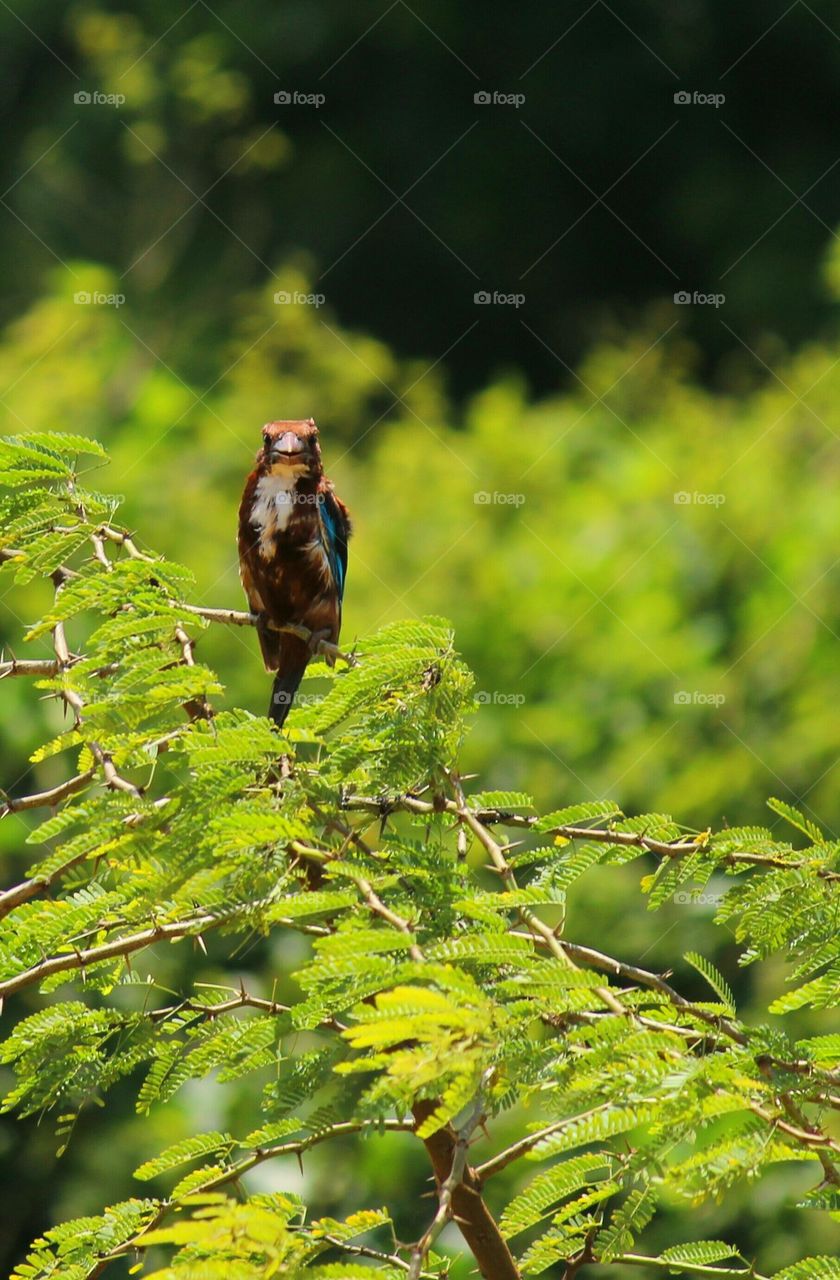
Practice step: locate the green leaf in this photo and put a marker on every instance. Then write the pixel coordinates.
(699, 1252)
(574, 814)
(62, 442)
(531, 1205)
(797, 819)
(501, 801)
(180, 1152)
(714, 978)
(820, 1268)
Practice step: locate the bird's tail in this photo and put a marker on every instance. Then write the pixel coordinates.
(294, 657)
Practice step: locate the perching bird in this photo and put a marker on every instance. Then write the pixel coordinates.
(293, 533)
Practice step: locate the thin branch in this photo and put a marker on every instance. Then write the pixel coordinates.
(126, 541)
(690, 1268)
(231, 617)
(123, 946)
(243, 1001)
(801, 1121)
(491, 817)
(607, 964)
(453, 1180)
(187, 645)
(28, 889)
(538, 927)
(127, 944)
(47, 799)
(521, 1148)
(364, 1251)
(302, 1145)
(236, 1170)
(237, 618)
(28, 667)
(99, 552)
(371, 897)
(113, 779)
(809, 1137)
(599, 835)
(475, 1221)
(379, 908)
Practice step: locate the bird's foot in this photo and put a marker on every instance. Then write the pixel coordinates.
(320, 644)
(318, 641)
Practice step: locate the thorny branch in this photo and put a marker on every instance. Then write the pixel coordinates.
(238, 618)
(689, 1268)
(28, 667)
(599, 835)
(450, 1184)
(459, 1185)
(127, 944)
(542, 932)
(463, 1197)
(235, 1170)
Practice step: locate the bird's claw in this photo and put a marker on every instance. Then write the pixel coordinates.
(318, 641)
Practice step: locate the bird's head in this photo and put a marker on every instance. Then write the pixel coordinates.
(291, 448)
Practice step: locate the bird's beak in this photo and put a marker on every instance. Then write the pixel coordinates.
(288, 448)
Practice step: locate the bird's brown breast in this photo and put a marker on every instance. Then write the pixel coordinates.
(284, 565)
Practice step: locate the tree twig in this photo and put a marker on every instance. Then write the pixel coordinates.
(238, 618)
(125, 540)
(608, 964)
(521, 1148)
(475, 1221)
(235, 1171)
(28, 667)
(690, 1268)
(599, 835)
(468, 1208)
(538, 927)
(47, 799)
(450, 1184)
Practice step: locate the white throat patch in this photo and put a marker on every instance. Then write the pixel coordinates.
(274, 501)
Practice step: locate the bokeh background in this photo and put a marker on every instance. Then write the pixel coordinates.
(560, 286)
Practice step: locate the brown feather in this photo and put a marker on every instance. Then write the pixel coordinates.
(284, 570)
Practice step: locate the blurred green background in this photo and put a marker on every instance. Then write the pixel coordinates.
(626, 503)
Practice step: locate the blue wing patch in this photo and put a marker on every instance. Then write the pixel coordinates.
(335, 529)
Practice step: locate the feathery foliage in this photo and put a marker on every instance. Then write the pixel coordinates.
(429, 989)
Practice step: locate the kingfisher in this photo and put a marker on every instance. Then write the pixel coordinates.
(293, 532)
